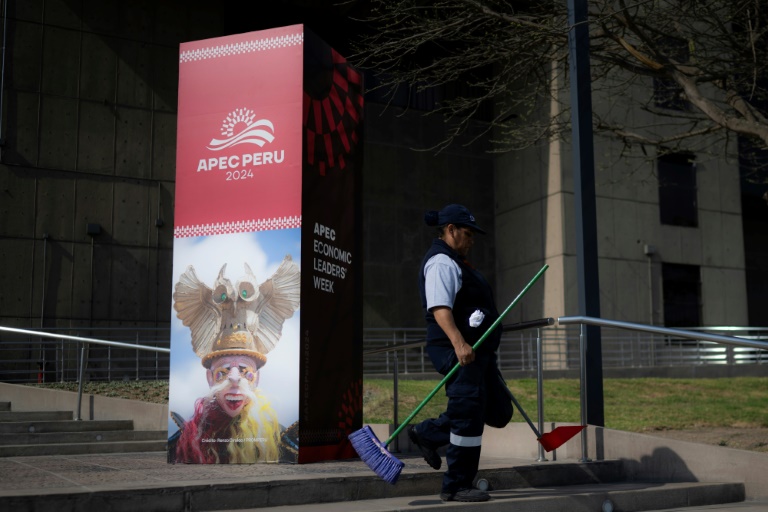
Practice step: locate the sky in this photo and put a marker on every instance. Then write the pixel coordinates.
(263, 251)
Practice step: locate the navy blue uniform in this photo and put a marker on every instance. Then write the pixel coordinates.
(476, 393)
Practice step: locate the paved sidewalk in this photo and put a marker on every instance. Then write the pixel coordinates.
(87, 473)
(82, 474)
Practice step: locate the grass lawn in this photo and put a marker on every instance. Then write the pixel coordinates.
(635, 405)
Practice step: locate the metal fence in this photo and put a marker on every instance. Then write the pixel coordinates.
(53, 357)
(560, 347)
(28, 358)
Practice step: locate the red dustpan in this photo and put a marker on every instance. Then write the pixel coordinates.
(551, 440)
(559, 436)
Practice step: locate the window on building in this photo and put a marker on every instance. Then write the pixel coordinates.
(677, 189)
(682, 295)
(667, 93)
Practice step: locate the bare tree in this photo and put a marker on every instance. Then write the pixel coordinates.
(697, 67)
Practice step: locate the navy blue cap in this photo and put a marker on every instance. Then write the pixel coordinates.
(452, 214)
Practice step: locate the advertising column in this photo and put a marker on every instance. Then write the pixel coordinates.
(331, 345)
(245, 338)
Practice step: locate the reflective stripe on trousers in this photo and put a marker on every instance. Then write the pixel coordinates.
(466, 442)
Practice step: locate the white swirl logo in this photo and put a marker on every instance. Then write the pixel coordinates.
(240, 127)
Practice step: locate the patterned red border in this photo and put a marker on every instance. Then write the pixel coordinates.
(243, 226)
(225, 50)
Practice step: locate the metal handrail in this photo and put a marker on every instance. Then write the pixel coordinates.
(85, 342)
(95, 341)
(600, 322)
(682, 333)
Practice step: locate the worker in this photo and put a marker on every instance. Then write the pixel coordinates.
(459, 308)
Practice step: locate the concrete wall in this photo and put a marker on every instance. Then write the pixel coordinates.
(145, 416)
(90, 138)
(401, 182)
(535, 220)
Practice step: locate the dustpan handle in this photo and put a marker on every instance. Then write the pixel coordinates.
(457, 365)
(522, 411)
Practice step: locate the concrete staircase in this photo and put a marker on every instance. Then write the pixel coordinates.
(345, 486)
(87, 468)
(30, 433)
(531, 488)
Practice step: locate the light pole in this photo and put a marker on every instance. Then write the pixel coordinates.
(585, 204)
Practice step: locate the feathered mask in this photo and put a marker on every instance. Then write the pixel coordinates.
(243, 319)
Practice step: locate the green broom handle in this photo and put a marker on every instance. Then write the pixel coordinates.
(474, 347)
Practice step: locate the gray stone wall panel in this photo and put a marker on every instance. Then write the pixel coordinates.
(131, 213)
(15, 300)
(93, 205)
(165, 214)
(61, 61)
(96, 138)
(53, 281)
(98, 67)
(131, 277)
(103, 261)
(135, 19)
(170, 23)
(17, 206)
(21, 128)
(134, 69)
(81, 281)
(165, 78)
(24, 46)
(133, 143)
(63, 13)
(28, 10)
(163, 146)
(58, 133)
(163, 287)
(55, 206)
(100, 15)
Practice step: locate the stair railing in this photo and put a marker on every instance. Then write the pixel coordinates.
(678, 333)
(85, 342)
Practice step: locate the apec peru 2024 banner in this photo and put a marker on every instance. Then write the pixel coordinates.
(250, 315)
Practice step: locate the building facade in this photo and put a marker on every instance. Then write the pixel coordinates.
(87, 170)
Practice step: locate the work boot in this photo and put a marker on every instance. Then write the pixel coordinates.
(467, 495)
(430, 454)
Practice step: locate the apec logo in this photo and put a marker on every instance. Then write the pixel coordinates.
(241, 127)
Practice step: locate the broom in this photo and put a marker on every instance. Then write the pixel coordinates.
(374, 453)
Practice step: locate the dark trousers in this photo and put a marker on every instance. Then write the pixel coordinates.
(477, 395)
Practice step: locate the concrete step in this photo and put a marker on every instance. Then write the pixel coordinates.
(623, 497)
(70, 425)
(742, 506)
(115, 485)
(13, 416)
(84, 437)
(46, 433)
(101, 447)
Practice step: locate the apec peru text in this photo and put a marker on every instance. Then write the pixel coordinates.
(234, 162)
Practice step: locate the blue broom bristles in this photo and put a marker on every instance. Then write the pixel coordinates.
(375, 454)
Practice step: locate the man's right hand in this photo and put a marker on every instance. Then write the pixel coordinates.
(444, 318)
(465, 354)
